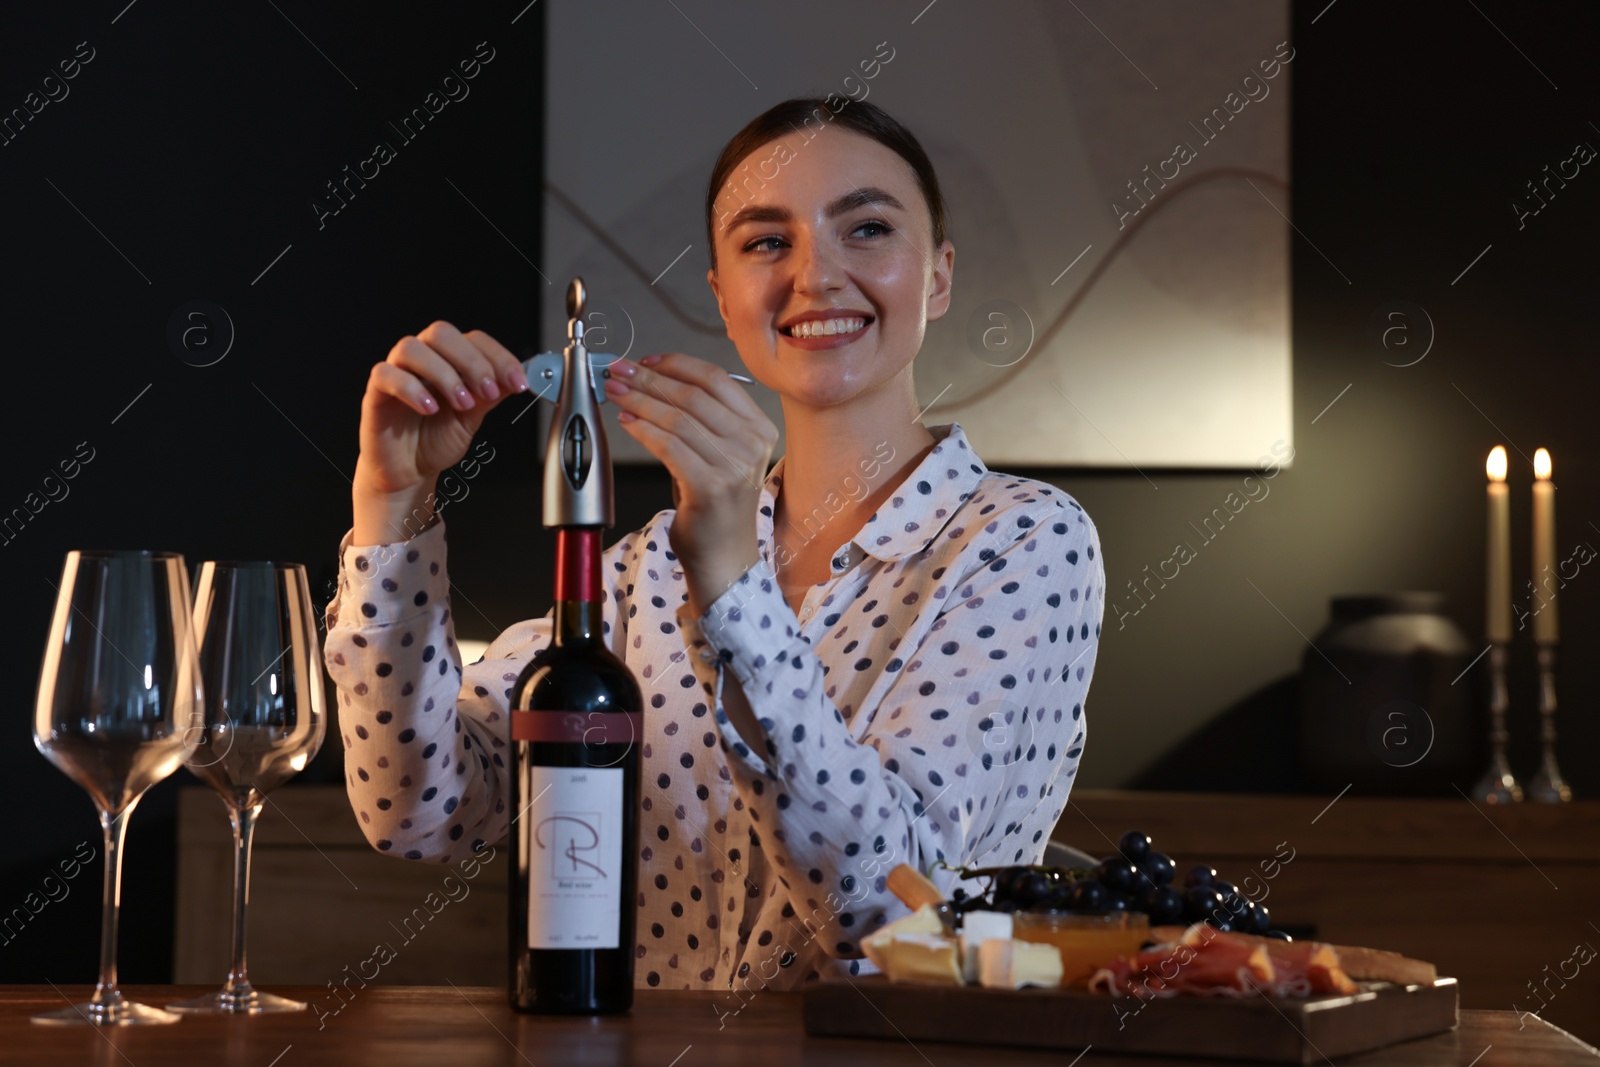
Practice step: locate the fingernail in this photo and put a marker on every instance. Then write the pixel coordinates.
(463, 398)
(651, 360)
(489, 390)
(519, 381)
(429, 404)
(624, 368)
(615, 387)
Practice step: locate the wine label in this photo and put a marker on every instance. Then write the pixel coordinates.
(572, 836)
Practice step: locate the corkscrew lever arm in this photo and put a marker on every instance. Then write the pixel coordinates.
(544, 374)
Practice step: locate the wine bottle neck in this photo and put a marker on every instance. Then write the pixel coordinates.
(578, 610)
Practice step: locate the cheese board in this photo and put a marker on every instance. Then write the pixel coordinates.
(1256, 1028)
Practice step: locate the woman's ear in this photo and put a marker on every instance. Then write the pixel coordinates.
(716, 291)
(944, 265)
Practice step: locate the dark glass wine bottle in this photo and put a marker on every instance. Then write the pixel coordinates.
(575, 795)
(576, 713)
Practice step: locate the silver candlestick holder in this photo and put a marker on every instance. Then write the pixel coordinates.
(1498, 785)
(1547, 786)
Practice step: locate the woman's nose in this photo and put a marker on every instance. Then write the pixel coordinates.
(816, 266)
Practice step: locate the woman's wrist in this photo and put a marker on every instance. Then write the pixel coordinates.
(387, 517)
(707, 580)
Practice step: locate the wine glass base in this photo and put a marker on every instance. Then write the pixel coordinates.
(112, 1011)
(243, 1002)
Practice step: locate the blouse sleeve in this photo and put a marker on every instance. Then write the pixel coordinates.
(962, 758)
(425, 736)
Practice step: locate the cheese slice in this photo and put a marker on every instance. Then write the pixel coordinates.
(976, 928)
(1010, 964)
(922, 921)
(922, 957)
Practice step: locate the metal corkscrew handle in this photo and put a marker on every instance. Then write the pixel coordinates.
(577, 469)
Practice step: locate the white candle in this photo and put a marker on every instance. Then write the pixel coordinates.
(1545, 580)
(1497, 615)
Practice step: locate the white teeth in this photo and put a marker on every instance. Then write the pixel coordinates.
(826, 327)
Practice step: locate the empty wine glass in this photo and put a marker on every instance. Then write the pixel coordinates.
(261, 669)
(118, 690)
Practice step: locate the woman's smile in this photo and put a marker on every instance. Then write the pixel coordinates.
(813, 335)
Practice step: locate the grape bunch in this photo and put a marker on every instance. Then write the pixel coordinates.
(1134, 878)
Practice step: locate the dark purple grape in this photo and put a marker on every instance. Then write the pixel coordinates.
(1164, 905)
(1261, 918)
(1222, 926)
(1031, 888)
(1118, 902)
(1117, 874)
(1200, 903)
(1088, 895)
(1058, 899)
(1278, 935)
(1006, 880)
(1223, 886)
(1238, 905)
(1157, 866)
(1134, 846)
(1200, 877)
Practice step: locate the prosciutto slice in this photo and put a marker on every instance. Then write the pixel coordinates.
(1205, 961)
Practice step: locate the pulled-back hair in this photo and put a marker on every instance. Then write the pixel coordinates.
(806, 116)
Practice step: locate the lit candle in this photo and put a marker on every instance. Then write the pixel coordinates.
(1497, 619)
(1544, 550)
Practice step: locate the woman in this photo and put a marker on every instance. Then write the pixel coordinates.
(876, 654)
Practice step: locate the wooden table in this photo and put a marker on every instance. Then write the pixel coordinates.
(398, 1026)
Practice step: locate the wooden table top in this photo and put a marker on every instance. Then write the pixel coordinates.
(399, 1026)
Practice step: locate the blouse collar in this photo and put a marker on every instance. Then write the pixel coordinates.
(918, 509)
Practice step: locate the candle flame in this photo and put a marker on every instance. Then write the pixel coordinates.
(1541, 465)
(1497, 464)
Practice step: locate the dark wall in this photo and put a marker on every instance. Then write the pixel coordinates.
(1415, 127)
(196, 141)
(198, 138)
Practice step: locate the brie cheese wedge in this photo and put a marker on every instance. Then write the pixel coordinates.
(976, 928)
(1011, 964)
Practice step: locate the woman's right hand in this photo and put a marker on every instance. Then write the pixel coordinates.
(422, 407)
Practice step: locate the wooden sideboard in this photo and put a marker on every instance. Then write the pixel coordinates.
(1492, 896)
(1497, 898)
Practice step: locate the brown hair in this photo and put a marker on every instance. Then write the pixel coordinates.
(792, 115)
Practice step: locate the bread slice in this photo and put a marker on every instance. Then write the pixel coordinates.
(1377, 965)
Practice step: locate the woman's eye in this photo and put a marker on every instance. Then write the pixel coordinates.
(882, 226)
(758, 244)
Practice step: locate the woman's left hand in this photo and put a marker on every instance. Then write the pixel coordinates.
(716, 443)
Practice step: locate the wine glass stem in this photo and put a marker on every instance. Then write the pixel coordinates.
(113, 827)
(244, 830)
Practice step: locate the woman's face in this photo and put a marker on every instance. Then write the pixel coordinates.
(836, 225)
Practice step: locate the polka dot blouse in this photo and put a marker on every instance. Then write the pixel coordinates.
(926, 705)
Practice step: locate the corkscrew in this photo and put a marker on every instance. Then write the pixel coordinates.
(577, 469)
(577, 486)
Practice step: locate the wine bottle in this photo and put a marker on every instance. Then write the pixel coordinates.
(575, 752)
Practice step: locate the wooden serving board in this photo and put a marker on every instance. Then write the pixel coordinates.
(1259, 1028)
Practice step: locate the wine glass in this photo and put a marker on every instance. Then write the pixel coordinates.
(118, 688)
(261, 669)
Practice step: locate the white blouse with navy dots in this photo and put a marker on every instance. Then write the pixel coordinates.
(926, 705)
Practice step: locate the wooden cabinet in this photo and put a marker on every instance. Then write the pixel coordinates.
(321, 899)
(1495, 898)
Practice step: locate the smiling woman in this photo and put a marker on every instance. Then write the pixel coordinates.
(909, 689)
